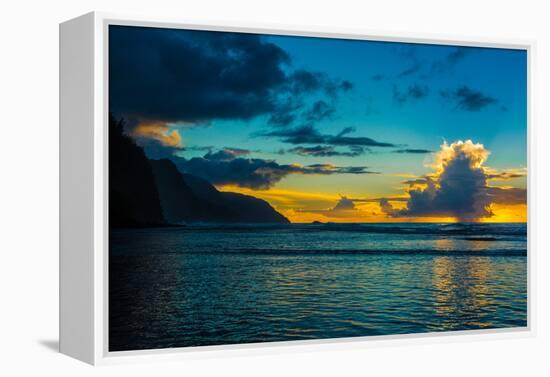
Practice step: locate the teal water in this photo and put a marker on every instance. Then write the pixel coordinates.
(207, 285)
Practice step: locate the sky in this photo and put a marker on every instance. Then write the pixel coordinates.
(331, 129)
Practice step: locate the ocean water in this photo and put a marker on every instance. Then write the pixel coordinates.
(208, 285)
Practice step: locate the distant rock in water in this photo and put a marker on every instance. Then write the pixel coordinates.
(188, 198)
(133, 196)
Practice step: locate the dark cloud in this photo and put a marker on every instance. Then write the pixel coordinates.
(506, 175)
(413, 65)
(387, 208)
(418, 91)
(413, 151)
(344, 204)
(418, 68)
(458, 190)
(457, 55)
(319, 110)
(378, 77)
(343, 208)
(303, 81)
(328, 151)
(345, 85)
(286, 112)
(468, 99)
(327, 169)
(190, 76)
(229, 167)
(309, 135)
(407, 51)
(414, 92)
(440, 66)
(418, 181)
(158, 131)
(154, 149)
(282, 118)
(451, 60)
(199, 148)
(409, 71)
(507, 195)
(226, 154)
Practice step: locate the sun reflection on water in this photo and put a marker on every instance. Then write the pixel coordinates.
(462, 288)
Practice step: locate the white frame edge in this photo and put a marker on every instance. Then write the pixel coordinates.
(84, 227)
(76, 188)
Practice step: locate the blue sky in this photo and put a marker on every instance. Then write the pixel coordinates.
(425, 123)
(412, 97)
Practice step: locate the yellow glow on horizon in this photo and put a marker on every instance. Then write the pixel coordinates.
(283, 200)
(507, 213)
(306, 207)
(283, 195)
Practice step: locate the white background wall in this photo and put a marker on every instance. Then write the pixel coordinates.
(29, 184)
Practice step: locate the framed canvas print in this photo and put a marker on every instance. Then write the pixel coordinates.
(239, 187)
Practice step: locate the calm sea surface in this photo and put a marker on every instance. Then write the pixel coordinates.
(206, 285)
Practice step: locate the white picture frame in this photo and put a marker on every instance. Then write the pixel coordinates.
(84, 187)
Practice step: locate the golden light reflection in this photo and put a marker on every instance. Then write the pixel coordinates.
(461, 286)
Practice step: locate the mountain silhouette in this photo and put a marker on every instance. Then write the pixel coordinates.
(246, 208)
(144, 192)
(188, 198)
(133, 195)
(179, 202)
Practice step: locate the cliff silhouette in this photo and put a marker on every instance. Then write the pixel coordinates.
(133, 195)
(243, 208)
(144, 192)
